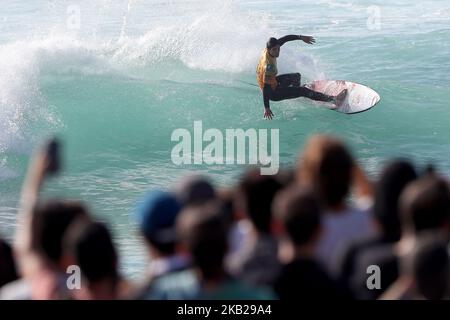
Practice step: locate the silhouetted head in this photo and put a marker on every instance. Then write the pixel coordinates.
(425, 205)
(393, 180)
(203, 231)
(254, 196)
(428, 264)
(298, 210)
(326, 166)
(156, 215)
(90, 246)
(49, 223)
(193, 190)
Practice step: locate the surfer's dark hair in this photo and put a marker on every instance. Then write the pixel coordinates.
(272, 42)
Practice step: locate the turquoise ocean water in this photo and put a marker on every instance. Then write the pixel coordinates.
(115, 78)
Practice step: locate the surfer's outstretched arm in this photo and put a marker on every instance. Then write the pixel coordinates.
(293, 37)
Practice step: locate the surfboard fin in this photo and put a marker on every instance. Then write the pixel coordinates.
(341, 97)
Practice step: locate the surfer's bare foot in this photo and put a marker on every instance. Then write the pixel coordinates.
(340, 97)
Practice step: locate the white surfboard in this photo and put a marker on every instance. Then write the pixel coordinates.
(359, 98)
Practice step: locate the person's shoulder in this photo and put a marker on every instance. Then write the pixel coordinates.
(301, 270)
(16, 290)
(360, 218)
(306, 279)
(383, 254)
(384, 258)
(382, 250)
(181, 284)
(356, 211)
(247, 292)
(353, 249)
(234, 289)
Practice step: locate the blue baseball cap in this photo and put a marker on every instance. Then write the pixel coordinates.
(156, 215)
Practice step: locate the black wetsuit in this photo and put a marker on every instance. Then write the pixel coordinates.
(289, 85)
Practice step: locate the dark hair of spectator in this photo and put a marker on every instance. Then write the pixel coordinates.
(299, 211)
(203, 230)
(255, 194)
(90, 243)
(50, 221)
(425, 204)
(8, 270)
(393, 180)
(428, 264)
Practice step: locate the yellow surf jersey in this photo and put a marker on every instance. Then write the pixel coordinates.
(266, 71)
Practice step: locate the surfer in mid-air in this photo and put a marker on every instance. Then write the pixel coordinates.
(285, 86)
